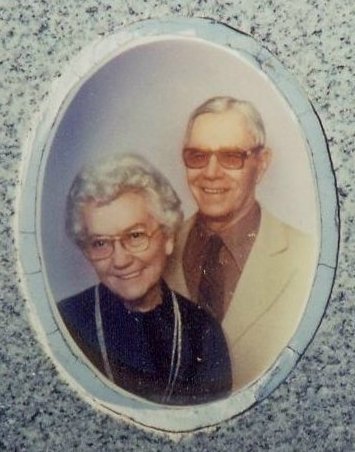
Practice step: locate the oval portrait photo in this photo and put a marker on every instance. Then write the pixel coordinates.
(179, 224)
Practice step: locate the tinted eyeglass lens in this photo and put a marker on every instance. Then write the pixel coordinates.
(233, 160)
(196, 159)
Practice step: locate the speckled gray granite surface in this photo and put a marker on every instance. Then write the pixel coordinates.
(315, 408)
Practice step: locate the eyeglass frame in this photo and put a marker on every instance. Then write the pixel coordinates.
(117, 238)
(243, 153)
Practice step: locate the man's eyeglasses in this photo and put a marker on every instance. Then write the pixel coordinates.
(229, 159)
(102, 247)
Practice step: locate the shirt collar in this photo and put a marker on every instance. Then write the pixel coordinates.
(239, 237)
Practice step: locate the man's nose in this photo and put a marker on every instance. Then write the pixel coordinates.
(121, 258)
(213, 169)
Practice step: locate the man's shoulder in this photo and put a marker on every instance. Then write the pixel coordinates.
(186, 227)
(173, 273)
(182, 236)
(272, 225)
(286, 243)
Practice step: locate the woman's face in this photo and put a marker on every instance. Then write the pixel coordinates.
(131, 275)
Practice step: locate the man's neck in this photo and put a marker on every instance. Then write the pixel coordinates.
(220, 224)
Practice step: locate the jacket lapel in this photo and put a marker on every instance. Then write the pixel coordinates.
(263, 280)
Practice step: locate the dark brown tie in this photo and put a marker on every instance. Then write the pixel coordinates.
(211, 290)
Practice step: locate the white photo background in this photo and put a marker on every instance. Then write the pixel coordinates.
(140, 102)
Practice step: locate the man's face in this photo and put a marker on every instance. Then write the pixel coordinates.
(224, 195)
(130, 275)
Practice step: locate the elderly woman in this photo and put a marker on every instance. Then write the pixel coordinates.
(147, 339)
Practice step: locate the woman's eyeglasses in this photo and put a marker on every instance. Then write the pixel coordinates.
(102, 247)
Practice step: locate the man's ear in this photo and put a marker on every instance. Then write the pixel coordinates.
(264, 159)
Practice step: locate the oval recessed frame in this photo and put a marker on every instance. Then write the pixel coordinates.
(134, 91)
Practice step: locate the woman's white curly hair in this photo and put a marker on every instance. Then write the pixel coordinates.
(113, 176)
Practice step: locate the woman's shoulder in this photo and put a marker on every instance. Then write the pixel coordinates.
(80, 304)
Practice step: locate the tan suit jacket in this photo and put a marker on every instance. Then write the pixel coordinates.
(269, 299)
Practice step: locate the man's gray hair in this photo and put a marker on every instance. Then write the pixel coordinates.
(222, 104)
(114, 176)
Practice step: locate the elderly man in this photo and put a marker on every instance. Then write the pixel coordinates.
(144, 337)
(247, 268)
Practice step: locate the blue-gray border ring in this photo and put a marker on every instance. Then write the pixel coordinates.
(93, 389)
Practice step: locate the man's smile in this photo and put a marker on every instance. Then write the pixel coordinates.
(214, 191)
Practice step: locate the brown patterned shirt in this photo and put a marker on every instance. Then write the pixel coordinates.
(237, 244)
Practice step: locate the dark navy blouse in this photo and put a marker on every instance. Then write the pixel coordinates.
(139, 346)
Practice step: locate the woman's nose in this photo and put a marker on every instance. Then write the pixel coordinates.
(121, 257)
